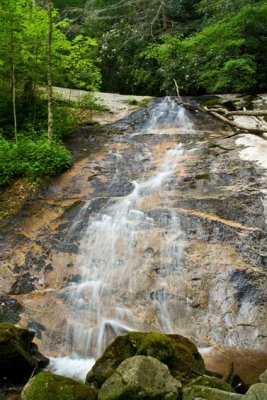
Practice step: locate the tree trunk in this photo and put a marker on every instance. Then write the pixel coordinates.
(13, 75)
(14, 100)
(256, 131)
(165, 17)
(49, 73)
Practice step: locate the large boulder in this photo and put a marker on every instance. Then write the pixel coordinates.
(140, 377)
(212, 382)
(19, 357)
(206, 393)
(178, 353)
(46, 386)
(257, 392)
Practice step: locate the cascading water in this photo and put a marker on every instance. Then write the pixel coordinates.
(126, 254)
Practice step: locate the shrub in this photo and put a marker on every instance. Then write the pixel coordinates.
(33, 159)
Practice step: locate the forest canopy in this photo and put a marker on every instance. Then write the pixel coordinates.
(207, 46)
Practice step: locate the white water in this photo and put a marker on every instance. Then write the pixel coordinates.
(125, 257)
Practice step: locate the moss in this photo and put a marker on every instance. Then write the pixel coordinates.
(73, 207)
(144, 102)
(186, 363)
(212, 382)
(46, 386)
(105, 366)
(156, 345)
(202, 176)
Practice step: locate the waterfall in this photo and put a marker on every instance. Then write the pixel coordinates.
(125, 257)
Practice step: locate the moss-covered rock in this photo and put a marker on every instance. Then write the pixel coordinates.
(206, 393)
(212, 382)
(19, 357)
(47, 386)
(177, 352)
(120, 349)
(140, 377)
(156, 345)
(186, 363)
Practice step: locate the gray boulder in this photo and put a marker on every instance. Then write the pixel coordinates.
(212, 382)
(257, 392)
(206, 393)
(140, 377)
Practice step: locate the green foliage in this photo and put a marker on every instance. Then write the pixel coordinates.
(89, 102)
(81, 64)
(24, 32)
(224, 56)
(33, 159)
(132, 101)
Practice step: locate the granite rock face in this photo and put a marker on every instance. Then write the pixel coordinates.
(199, 252)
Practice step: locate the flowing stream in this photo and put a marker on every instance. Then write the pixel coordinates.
(122, 287)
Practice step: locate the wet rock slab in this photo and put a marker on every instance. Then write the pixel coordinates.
(216, 293)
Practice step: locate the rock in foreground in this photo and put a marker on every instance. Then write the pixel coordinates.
(206, 393)
(212, 382)
(140, 377)
(257, 392)
(46, 386)
(178, 353)
(19, 357)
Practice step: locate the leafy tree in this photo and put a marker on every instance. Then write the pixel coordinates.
(227, 55)
(81, 67)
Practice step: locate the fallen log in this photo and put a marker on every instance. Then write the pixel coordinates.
(249, 113)
(256, 131)
(215, 112)
(253, 113)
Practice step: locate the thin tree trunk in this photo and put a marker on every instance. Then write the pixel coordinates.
(49, 73)
(13, 77)
(14, 100)
(165, 18)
